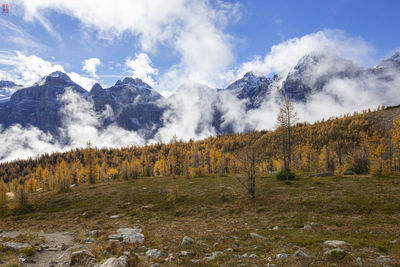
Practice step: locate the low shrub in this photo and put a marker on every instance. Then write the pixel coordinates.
(285, 175)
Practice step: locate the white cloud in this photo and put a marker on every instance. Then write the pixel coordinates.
(284, 56)
(141, 68)
(90, 65)
(28, 69)
(18, 142)
(16, 36)
(193, 30)
(82, 124)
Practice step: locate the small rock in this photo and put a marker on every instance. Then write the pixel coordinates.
(275, 228)
(253, 256)
(155, 265)
(186, 254)
(244, 255)
(82, 257)
(229, 250)
(255, 235)
(64, 247)
(336, 253)
(301, 254)
(73, 185)
(115, 237)
(15, 246)
(384, 259)
(84, 214)
(187, 240)
(234, 245)
(215, 244)
(126, 253)
(114, 217)
(147, 207)
(335, 243)
(307, 227)
(213, 256)
(91, 233)
(359, 261)
(129, 235)
(154, 253)
(195, 261)
(114, 262)
(282, 256)
(237, 256)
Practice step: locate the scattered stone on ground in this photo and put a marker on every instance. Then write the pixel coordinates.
(116, 262)
(359, 261)
(384, 259)
(335, 243)
(82, 257)
(282, 256)
(147, 207)
(154, 253)
(128, 235)
(229, 250)
(16, 246)
(186, 254)
(302, 254)
(255, 235)
(254, 256)
(186, 241)
(275, 228)
(114, 217)
(213, 255)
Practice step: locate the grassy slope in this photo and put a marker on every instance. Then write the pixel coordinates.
(362, 210)
(383, 119)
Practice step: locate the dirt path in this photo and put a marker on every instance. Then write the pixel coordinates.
(56, 251)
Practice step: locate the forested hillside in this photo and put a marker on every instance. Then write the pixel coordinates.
(367, 142)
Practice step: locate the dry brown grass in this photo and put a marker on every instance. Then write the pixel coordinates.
(363, 211)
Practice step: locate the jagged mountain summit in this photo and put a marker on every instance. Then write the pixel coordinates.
(134, 103)
(39, 104)
(252, 87)
(313, 72)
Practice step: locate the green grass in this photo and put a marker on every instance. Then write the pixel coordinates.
(363, 211)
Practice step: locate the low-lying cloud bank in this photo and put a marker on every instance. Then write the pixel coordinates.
(350, 86)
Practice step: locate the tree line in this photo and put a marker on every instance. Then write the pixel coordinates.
(346, 143)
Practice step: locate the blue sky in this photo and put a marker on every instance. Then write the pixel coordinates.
(209, 42)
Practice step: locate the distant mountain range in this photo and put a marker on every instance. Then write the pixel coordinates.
(136, 106)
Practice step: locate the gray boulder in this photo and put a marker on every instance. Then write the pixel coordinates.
(82, 257)
(16, 246)
(335, 243)
(302, 254)
(282, 256)
(186, 254)
(186, 241)
(154, 253)
(114, 262)
(255, 235)
(128, 235)
(213, 255)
